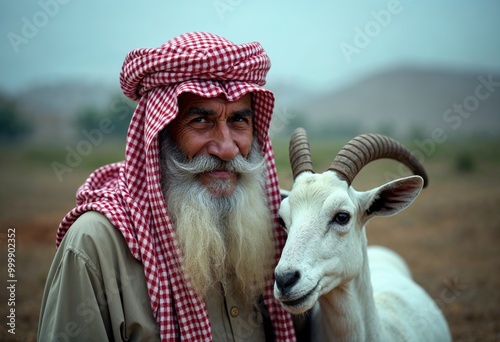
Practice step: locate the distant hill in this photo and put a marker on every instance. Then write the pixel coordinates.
(409, 101)
(66, 98)
(53, 109)
(399, 102)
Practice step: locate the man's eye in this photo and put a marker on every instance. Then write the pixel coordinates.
(241, 119)
(199, 119)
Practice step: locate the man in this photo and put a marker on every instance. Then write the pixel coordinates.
(179, 240)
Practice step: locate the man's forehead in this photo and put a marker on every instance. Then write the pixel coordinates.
(187, 100)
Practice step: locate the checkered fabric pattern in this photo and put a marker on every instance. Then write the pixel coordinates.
(129, 193)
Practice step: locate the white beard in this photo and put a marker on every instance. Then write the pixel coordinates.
(224, 240)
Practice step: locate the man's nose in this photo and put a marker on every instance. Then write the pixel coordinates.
(222, 144)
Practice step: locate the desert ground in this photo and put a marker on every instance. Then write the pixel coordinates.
(450, 236)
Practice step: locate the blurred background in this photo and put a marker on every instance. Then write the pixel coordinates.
(425, 72)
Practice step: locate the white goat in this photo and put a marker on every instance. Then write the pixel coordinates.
(364, 293)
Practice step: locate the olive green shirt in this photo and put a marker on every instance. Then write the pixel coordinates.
(96, 291)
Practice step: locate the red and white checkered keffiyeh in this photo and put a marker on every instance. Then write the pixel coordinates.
(129, 193)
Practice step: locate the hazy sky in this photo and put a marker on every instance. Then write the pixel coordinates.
(320, 44)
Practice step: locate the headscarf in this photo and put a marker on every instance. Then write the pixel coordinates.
(129, 193)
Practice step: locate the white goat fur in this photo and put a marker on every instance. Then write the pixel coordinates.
(364, 293)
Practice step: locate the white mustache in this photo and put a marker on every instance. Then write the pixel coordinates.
(202, 164)
(208, 163)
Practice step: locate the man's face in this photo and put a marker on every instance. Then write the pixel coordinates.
(217, 127)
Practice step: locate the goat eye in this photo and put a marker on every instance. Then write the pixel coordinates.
(342, 218)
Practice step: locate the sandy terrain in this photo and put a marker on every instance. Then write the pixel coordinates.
(450, 237)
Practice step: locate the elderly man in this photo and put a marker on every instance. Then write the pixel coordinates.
(179, 241)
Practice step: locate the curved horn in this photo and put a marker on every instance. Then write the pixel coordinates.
(299, 152)
(366, 148)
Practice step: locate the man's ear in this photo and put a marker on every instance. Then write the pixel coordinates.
(391, 198)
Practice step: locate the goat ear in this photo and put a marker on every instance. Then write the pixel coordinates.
(391, 198)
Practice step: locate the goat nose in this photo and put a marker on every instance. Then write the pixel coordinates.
(287, 280)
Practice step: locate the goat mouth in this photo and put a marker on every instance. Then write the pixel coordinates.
(296, 302)
(298, 305)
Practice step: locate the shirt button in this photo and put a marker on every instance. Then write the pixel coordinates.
(234, 311)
